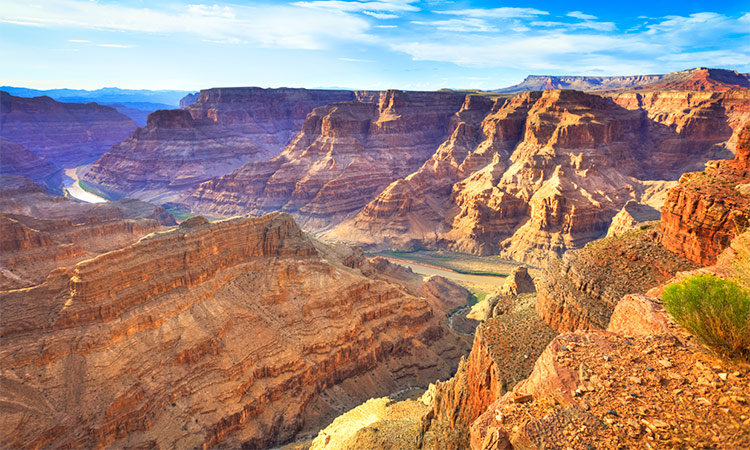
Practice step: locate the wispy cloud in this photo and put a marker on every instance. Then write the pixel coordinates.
(115, 45)
(353, 6)
(580, 15)
(378, 15)
(79, 41)
(496, 13)
(467, 25)
(357, 60)
(272, 26)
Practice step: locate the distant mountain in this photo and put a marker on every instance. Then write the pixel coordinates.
(698, 79)
(136, 104)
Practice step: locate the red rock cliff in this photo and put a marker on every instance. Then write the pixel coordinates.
(236, 333)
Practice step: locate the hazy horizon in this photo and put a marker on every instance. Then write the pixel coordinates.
(402, 44)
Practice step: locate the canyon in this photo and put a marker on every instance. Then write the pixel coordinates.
(253, 318)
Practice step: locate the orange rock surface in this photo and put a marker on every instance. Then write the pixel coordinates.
(707, 209)
(241, 332)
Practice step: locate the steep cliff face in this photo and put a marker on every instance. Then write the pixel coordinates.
(632, 215)
(218, 132)
(580, 290)
(344, 156)
(707, 209)
(212, 334)
(15, 159)
(65, 134)
(42, 232)
(546, 172)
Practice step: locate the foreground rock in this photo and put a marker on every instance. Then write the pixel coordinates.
(581, 289)
(223, 129)
(707, 209)
(65, 134)
(41, 232)
(236, 333)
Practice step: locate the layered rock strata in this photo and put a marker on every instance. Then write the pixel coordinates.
(344, 156)
(218, 132)
(41, 232)
(15, 159)
(235, 333)
(65, 134)
(632, 215)
(707, 209)
(546, 172)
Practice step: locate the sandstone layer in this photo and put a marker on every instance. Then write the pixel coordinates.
(345, 154)
(228, 334)
(217, 133)
(65, 134)
(708, 209)
(632, 215)
(544, 172)
(41, 232)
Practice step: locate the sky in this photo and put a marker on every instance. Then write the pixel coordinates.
(378, 44)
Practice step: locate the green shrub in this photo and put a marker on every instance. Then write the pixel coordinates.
(714, 310)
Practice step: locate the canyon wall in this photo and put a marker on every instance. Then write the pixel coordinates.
(345, 154)
(15, 159)
(706, 210)
(42, 232)
(65, 134)
(235, 333)
(218, 132)
(544, 172)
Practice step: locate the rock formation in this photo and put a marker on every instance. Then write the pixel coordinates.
(632, 215)
(218, 132)
(65, 134)
(15, 159)
(707, 209)
(41, 232)
(518, 282)
(546, 172)
(581, 289)
(698, 79)
(234, 333)
(344, 156)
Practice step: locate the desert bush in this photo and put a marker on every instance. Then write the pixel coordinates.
(714, 310)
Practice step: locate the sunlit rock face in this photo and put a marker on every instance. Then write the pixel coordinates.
(221, 130)
(235, 333)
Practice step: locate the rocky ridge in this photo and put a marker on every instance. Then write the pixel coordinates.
(65, 134)
(235, 333)
(545, 172)
(15, 159)
(221, 130)
(344, 156)
(42, 232)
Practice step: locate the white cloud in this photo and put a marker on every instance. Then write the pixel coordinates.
(270, 26)
(349, 6)
(79, 41)
(580, 15)
(356, 60)
(378, 15)
(468, 25)
(496, 13)
(386, 26)
(114, 45)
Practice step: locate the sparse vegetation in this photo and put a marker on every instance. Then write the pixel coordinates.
(714, 310)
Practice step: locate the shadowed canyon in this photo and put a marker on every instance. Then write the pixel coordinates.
(241, 285)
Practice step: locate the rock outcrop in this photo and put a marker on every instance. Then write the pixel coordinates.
(41, 232)
(581, 289)
(15, 159)
(707, 209)
(344, 156)
(632, 215)
(217, 133)
(518, 282)
(65, 134)
(234, 333)
(545, 172)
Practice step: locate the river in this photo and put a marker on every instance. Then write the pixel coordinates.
(73, 186)
(447, 273)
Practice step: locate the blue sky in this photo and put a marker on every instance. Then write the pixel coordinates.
(364, 44)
